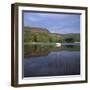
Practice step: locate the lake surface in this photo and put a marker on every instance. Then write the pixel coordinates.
(49, 60)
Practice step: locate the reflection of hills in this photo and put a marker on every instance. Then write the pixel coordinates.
(44, 50)
(36, 54)
(35, 50)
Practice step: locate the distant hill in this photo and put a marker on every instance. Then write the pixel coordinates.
(57, 34)
(37, 30)
(75, 36)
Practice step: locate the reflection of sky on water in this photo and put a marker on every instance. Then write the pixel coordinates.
(54, 64)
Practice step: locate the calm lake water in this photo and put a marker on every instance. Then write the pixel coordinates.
(49, 60)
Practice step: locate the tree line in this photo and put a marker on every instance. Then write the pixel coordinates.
(48, 37)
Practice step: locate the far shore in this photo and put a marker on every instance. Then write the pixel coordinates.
(39, 43)
(50, 43)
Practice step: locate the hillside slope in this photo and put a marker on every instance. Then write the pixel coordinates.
(36, 30)
(35, 34)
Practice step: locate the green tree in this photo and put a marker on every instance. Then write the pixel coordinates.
(69, 40)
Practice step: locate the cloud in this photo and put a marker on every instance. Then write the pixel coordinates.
(31, 16)
(43, 16)
(34, 19)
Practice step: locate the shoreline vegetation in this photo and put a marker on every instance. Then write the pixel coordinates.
(43, 49)
(34, 35)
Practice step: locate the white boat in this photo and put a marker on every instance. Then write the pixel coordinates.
(58, 44)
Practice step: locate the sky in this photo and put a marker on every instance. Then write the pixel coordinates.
(55, 23)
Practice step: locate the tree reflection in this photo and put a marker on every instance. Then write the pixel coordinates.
(43, 50)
